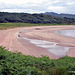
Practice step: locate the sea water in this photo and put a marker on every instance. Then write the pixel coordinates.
(50, 46)
(70, 33)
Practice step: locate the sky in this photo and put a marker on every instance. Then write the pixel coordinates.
(38, 6)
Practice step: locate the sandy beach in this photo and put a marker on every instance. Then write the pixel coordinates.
(39, 40)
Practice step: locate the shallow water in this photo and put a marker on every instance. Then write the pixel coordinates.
(70, 33)
(50, 46)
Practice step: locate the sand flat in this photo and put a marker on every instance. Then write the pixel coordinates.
(13, 40)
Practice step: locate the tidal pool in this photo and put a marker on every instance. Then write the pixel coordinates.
(50, 46)
(70, 33)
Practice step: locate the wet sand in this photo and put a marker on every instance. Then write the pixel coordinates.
(14, 40)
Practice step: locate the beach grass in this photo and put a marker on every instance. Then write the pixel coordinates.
(15, 25)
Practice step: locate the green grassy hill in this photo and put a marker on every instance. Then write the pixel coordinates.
(33, 18)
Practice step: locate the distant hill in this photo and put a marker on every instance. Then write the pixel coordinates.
(60, 15)
(6, 17)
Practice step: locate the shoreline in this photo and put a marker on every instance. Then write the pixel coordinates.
(9, 39)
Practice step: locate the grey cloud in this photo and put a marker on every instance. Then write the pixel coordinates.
(68, 7)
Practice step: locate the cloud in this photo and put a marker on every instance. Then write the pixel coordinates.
(21, 10)
(59, 6)
(56, 8)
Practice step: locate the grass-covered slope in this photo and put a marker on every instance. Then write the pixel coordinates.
(14, 25)
(18, 64)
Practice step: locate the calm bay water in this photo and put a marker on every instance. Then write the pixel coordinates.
(52, 46)
(70, 33)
